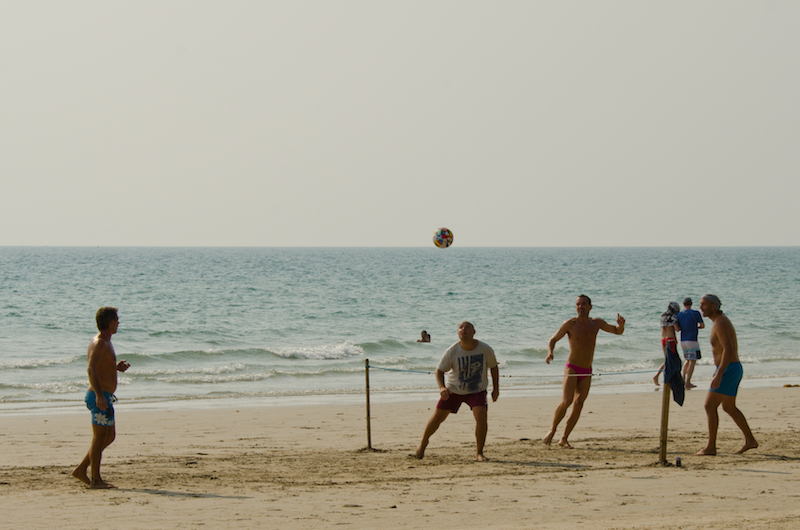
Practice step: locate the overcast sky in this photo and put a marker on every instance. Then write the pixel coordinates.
(372, 123)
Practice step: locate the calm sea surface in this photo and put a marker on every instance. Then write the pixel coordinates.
(203, 326)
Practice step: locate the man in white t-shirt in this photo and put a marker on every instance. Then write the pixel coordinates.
(466, 364)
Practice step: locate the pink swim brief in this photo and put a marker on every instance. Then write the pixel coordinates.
(584, 372)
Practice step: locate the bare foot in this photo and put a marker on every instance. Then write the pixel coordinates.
(565, 444)
(690, 386)
(481, 458)
(81, 475)
(752, 444)
(421, 450)
(101, 485)
(707, 451)
(549, 438)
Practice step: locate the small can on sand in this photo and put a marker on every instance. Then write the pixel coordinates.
(678, 462)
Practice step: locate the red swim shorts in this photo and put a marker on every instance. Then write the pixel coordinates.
(455, 400)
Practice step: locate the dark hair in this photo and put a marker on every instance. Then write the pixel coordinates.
(587, 298)
(105, 316)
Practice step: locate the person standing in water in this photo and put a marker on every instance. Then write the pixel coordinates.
(669, 339)
(690, 322)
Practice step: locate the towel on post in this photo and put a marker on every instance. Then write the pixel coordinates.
(672, 371)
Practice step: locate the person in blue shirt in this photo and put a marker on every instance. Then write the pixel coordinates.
(690, 321)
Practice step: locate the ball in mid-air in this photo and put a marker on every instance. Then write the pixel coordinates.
(443, 238)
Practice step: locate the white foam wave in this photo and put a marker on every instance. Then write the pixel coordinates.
(208, 370)
(61, 387)
(200, 378)
(339, 350)
(37, 363)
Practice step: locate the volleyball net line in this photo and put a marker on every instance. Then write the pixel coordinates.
(662, 455)
(595, 374)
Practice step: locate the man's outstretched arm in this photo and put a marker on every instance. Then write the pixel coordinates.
(617, 330)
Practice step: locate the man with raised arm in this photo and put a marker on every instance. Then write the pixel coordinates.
(466, 364)
(725, 384)
(582, 333)
(102, 370)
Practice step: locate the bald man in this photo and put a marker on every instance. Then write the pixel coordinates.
(725, 384)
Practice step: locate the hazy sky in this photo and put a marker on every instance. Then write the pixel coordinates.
(372, 123)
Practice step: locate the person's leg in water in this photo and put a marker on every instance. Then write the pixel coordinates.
(688, 370)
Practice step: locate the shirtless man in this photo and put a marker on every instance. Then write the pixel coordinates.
(582, 333)
(725, 384)
(103, 368)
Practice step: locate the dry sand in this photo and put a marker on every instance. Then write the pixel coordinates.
(306, 467)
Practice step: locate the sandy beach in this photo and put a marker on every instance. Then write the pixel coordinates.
(307, 467)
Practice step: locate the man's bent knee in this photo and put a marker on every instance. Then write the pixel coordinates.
(729, 406)
(713, 402)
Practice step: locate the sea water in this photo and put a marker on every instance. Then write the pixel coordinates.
(204, 326)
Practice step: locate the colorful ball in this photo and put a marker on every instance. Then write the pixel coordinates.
(443, 238)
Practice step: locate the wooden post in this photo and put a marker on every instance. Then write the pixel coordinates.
(662, 452)
(369, 426)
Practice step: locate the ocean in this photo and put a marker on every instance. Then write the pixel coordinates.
(207, 327)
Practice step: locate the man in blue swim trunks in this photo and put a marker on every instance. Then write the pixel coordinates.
(725, 384)
(102, 370)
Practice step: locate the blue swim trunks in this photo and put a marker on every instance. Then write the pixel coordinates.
(730, 380)
(101, 417)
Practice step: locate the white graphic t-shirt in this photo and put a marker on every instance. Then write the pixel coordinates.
(466, 371)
